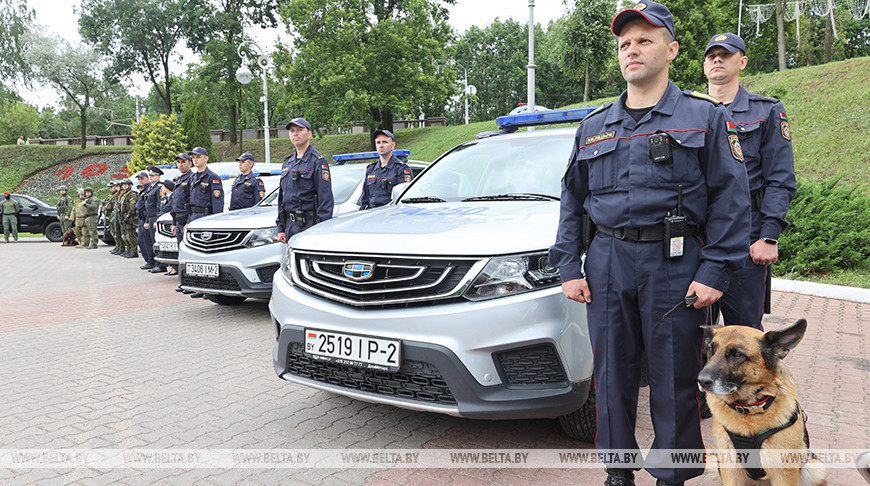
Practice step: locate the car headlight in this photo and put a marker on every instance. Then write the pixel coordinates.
(513, 274)
(286, 265)
(264, 236)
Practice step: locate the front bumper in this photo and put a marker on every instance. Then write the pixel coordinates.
(526, 356)
(246, 272)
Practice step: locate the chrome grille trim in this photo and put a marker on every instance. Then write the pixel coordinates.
(335, 276)
(221, 240)
(313, 278)
(165, 229)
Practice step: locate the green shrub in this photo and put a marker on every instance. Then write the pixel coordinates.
(830, 229)
(157, 142)
(195, 124)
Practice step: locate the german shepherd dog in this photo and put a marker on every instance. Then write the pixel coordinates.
(753, 398)
(69, 238)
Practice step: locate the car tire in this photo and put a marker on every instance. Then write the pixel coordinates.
(225, 299)
(581, 424)
(54, 232)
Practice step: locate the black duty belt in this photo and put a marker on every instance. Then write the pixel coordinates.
(757, 197)
(655, 232)
(307, 215)
(199, 210)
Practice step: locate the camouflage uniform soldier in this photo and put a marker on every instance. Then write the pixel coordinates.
(10, 209)
(92, 208)
(64, 205)
(128, 219)
(109, 213)
(78, 217)
(117, 224)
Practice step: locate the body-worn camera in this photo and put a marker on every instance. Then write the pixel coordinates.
(660, 148)
(294, 175)
(384, 184)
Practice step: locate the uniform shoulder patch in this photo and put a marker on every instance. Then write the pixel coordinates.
(758, 97)
(702, 96)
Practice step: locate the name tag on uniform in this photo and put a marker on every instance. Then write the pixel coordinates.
(600, 137)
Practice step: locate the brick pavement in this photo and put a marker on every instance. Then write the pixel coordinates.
(97, 354)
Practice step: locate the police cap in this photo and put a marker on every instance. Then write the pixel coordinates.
(246, 156)
(730, 42)
(299, 122)
(198, 151)
(653, 12)
(385, 132)
(154, 170)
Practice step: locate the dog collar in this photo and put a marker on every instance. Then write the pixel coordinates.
(757, 407)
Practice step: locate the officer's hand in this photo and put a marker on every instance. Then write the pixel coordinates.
(172, 228)
(706, 295)
(764, 253)
(282, 237)
(578, 290)
(146, 226)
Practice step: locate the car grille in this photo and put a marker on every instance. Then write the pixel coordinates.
(415, 380)
(538, 365)
(165, 229)
(214, 241)
(224, 281)
(369, 281)
(267, 273)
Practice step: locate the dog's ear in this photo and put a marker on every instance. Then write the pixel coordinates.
(775, 345)
(708, 338)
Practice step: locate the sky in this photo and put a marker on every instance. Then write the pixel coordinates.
(58, 17)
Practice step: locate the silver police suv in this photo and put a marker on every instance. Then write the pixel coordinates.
(445, 301)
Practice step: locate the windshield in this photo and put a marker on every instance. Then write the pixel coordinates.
(345, 178)
(497, 166)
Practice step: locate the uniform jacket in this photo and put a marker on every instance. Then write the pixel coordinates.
(9, 207)
(91, 206)
(181, 194)
(379, 182)
(312, 189)
(247, 191)
(152, 202)
(765, 137)
(128, 207)
(63, 206)
(206, 191)
(612, 176)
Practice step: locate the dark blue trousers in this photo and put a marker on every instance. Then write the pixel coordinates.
(633, 285)
(743, 302)
(145, 239)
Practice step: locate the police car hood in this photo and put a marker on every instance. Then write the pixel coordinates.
(240, 219)
(467, 229)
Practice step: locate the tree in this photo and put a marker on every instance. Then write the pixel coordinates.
(158, 141)
(14, 20)
(195, 124)
(587, 42)
(17, 120)
(366, 60)
(72, 70)
(141, 36)
(695, 22)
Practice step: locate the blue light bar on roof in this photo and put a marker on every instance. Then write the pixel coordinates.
(167, 166)
(368, 155)
(544, 117)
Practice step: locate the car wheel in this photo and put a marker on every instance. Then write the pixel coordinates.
(581, 424)
(225, 299)
(54, 232)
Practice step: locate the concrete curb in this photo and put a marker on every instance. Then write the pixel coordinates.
(840, 292)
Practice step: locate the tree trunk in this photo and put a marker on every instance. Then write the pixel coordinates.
(586, 83)
(829, 38)
(234, 113)
(84, 118)
(780, 34)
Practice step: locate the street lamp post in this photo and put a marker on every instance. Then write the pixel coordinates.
(470, 90)
(244, 76)
(531, 67)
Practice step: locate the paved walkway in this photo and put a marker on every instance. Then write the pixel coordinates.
(96, 354)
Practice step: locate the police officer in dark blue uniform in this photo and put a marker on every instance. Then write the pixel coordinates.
(144, 238)
(248, 189)
(383, 174)
(305, 190)
(152, 212)
(181, 196)
(765, 137)
(206, 194)
(661, 176)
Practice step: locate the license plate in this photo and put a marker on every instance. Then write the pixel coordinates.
(353, 350)
(167, 245)
(202, 270)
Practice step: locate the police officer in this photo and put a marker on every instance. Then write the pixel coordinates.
(765, 138)
(181, 195)
(630, 162)
(143, 236)
(10, 209)
(128, 218)
(92, 208)
(384, 173)
(206, 192)
(248, 189)
(64, 204)
(305, 189)
(152, 212)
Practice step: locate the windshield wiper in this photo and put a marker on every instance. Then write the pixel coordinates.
(423, 199)
(513, 197)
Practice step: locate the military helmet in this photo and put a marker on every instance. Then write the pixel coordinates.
(80, 190)
(89, 189)
(62, 188)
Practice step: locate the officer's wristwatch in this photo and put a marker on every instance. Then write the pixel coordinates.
(770, 241)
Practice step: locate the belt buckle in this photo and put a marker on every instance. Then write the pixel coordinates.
(619, 233)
